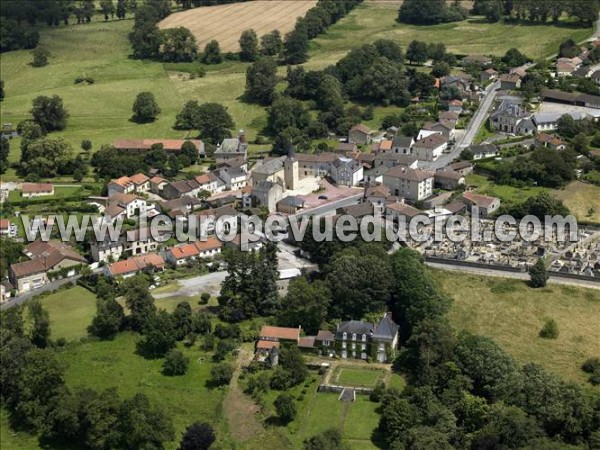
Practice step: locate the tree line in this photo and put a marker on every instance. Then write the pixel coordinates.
(34, 391)
(21, 18)
(538, 11)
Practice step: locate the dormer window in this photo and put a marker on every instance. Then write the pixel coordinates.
(353, 336)
(364, 337)
(344, 336)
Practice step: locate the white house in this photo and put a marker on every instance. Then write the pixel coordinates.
(346, 172)
(430, 148)
(414, 185)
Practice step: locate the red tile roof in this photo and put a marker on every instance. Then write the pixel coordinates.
(267, 345)
(35, 188)
(136, 264)
(4, 224)
(292, 334)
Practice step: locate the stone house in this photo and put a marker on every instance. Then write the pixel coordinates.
(360, 134)
(414, 185)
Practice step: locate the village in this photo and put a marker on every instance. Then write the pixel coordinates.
(405, 176)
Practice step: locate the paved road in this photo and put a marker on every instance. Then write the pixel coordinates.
(468, 136)
(48, 287)
(517, 275)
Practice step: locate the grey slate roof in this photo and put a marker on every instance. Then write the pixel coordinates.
(354, 327)
(402, 141)
(386, 329)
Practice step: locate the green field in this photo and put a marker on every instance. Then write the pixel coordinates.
(71, 311)
(377, 20)
(349, 376)
(512, 314)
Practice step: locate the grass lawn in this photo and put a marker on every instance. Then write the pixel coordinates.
(71, 311)
(512, 314)
(508, 194)
(348, 376)
(582, 199)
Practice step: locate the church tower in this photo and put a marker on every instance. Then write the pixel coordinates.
(290, 170)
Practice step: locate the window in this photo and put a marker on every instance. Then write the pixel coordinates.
(364, 337)
(363, 347)
(344, 336)
(343, 345)
(353, 336)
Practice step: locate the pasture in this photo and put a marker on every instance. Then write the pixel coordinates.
(512, 314)
(375, 19)
(225, 23)
(582, 199)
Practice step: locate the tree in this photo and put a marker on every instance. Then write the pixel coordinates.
(382, 82)
(38, 383)
(139, 301)
(506, 427)
(4, 152)
(178, 45)
(389, 49)
(40, 330)
(285, 113)
(86, 145)
(108, 9)
(305, 304)
(214, 122)
(248, 46)
(198, 436)
(568, 49)
(292, 361)
(429, 12)
(466, 155)
(159, 335)
(417, 52)
(46, 157)
(295, 47)
(486, 364)
(40, 56)
(145, 108)
(146, 40)
(285, 407)
(415, 295)
(441, 69)
(182, 320)
(271, 44)
(2, 91)
(108, 320)
(143, 426)
(261, 80)
(538, 274)
(354, 295)
(514, 58)
(329, 439)
(221, 374)
(212, 53)
(549, 330)
(49, 113)
(175, 363)
(580, 143)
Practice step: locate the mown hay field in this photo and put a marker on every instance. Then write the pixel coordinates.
(225, 23)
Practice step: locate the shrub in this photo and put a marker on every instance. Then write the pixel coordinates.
(549, 330)
(591, 365)
(175, 363)
(204, 298)
(221, 374)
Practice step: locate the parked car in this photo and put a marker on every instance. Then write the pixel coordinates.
(322, 197)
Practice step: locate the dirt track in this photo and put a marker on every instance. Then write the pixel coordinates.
(225, 23)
